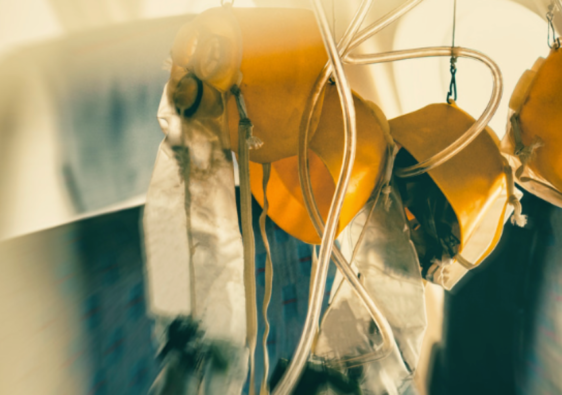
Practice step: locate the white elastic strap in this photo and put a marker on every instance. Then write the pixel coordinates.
(387, 189)
(377, 194)
(524, 153)
(244, 132)
(518, 218)
(313, 267)
(264, 390)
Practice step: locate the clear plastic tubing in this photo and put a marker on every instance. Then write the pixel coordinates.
(346, 44)
(292, 374)
(304, 176)
(473, 132)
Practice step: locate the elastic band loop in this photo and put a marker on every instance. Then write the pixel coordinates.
(523, 152)
(249, 243)
(387, 189)
(268, 279)
(518, 218)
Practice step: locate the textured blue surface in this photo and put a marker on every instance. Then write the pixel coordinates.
(119, 348)
(544, 360)
(82, 291)
(102, 279)
(292, 261)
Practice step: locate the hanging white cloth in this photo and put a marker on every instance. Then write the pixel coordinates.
(194, 253)
(389, 267)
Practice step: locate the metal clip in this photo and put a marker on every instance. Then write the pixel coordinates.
(453, 84)
(555, 43)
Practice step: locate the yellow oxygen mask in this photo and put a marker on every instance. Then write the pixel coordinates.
(456, 210)
(272, 58)
(533, 139)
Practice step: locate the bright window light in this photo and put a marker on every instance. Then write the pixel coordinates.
(512, 35)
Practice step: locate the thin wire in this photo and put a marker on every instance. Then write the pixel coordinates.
(555, 40)
(454, 23)
(453, 68)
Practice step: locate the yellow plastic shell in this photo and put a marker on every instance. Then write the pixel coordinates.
(537, 99)
(211, 47)
(473, 182)
(286, 204)
(275, 57)
(283, 54)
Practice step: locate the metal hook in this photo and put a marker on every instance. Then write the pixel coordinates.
(453, 84)
(555, 40)
(474, 130)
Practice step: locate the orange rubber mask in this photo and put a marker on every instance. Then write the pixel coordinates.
(533, 139)
(273, 57)
(457, 210)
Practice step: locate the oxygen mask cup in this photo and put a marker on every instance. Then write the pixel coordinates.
(388, 265)
(457, 210)
(532, 141)
(194, 253)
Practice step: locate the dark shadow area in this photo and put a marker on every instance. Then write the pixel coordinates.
(490, 314)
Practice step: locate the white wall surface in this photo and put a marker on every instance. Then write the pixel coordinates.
(33, 187)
